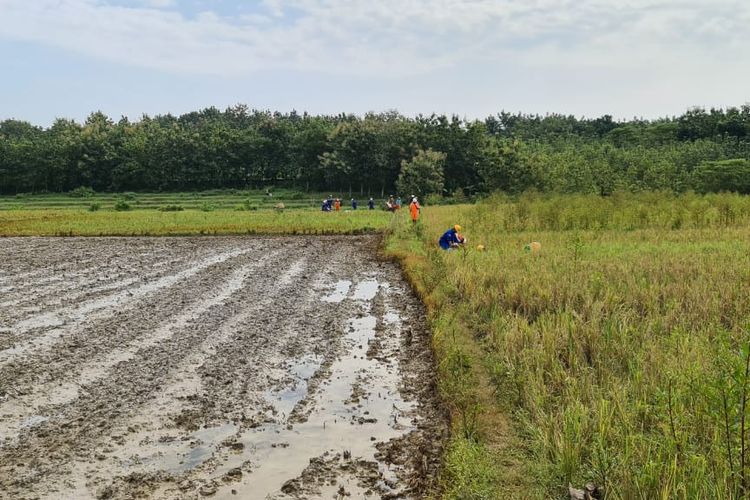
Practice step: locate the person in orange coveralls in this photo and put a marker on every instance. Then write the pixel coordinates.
(414, 209)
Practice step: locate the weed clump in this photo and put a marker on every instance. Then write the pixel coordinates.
(121, 205)
(171, 208)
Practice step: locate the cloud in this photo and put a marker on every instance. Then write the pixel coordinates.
(388, 38)
(159, 4)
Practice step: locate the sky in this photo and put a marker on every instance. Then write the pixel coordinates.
(472, 58)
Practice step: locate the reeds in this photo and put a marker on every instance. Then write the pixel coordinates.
(619, 352)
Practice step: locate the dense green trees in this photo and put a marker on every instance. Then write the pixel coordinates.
(240, 147)
(423, 174)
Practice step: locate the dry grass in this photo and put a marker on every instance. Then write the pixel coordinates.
(615, 356)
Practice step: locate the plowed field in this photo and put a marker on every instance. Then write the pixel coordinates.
(212, 367)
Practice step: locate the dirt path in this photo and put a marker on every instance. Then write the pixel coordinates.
(212, 367)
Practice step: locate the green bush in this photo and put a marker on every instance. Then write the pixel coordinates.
(433, 199)
(171, 208)
(207, 207)
(129, 196)
(122, 205)
(82, 192)
(94, 207)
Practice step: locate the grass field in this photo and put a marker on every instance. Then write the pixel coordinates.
(182, 214)
(618, 355)
(189, 222)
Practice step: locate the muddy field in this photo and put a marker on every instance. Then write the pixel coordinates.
(212, 367)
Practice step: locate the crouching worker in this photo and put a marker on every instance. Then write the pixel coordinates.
(451, 238)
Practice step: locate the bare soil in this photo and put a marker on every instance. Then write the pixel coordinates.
(213, 368)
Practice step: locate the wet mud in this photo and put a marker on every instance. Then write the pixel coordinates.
(213, 368)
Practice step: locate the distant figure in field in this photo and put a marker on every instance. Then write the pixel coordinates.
(326, 207)
(398, 203)
(354, 204)
(414, 209)
(371, 204)
(337, 204)
(451, 239)
(391, 204)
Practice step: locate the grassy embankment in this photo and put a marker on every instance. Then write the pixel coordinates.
(204, 200)
(618, 355)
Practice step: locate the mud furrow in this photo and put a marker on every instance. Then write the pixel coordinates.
(60, 392)
(54, 325)
(282, 368)
(139, 381)
(31, 298)
(101, 339)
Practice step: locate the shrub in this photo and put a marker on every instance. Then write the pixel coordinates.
(94, 207)
(207, 207)
(171, 208)
(82, 192)
(122, 205)
(433, 199)
(129, 196)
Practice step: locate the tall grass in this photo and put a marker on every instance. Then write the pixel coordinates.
(620, 354)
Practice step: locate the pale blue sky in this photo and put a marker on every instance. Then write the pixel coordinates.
(66, 58)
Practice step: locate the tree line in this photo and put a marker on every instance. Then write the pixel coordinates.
(702, 150)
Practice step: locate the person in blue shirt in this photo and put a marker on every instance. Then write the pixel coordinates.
(371, 204)
(451, 238)
(354, 204)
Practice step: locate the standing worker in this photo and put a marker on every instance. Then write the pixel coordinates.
(337, 205)
(451, 238)
(354, 204)
(371, 204)
(414, 209)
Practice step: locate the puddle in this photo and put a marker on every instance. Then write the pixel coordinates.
(170, 453)
(356, 407)
(366, 290)
(339, 293)
(286, 399)
(33, 421)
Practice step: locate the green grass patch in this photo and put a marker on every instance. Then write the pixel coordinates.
(187, 222)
